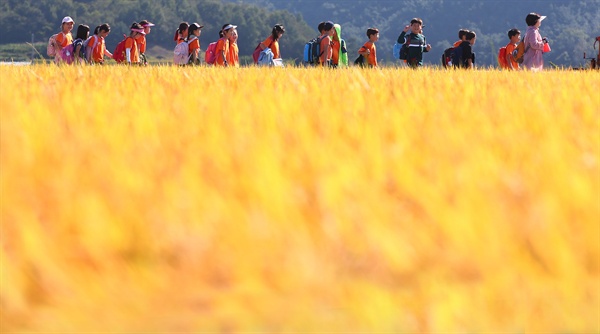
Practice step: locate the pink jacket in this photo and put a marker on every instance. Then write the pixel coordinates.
(533, 58)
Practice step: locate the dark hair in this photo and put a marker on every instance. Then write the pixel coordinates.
(104, 27)
(462, 33)
(320, 26)
(83, 32)
(193, 27)
(97, 30)
(532, 19)
(513, 32)
(372, 31)
(470, 35)
(183, 26)
(221, 33)
(278, 28)
(416, 20)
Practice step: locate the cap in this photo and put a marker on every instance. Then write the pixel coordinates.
(542, 18)
(195, 26)
(533, 18)
(67, 19)
(141, 31)
(328, 25)
(146, 23)
(229, 26)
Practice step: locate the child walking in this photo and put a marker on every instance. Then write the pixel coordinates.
(327, 31)
(368, 50)
(233, 57)
(63, 38)
(96, 47)
(132, 52)
(416, 41)
(514, 35)
(272, 41)
(141, 40)
(463, 56)
(83, 31)
(340, 51)
(194, 32)
(222, 47)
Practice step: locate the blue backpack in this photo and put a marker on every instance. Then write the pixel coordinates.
(312, 51)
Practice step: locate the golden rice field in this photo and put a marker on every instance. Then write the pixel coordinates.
(201, 200)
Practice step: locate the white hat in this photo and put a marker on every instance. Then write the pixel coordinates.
(229, 26)
(542, 18)
(67, 19)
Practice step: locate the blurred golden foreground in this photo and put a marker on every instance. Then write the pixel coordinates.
(170, 199)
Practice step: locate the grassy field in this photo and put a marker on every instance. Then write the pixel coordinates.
(167, 199)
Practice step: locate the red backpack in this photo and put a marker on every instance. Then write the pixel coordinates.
(502, 58)
(210, 56)
(119, 54)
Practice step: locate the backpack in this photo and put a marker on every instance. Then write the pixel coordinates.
(520, 51)
(343, 61)
(396, 50)
(312, 51)
(403, 52)
(119, 54)
(502, 58)
(266, 58)
(447, 57)
(360, 61)
(92, 47)
(257, 52)
(51, 49)
(181, 53)
(68, 52)
(210, 56)
(457, 56)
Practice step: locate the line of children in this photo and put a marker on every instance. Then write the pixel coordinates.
(332, 46)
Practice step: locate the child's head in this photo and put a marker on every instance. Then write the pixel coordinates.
(233, 37)
(328, 28)
(104, 29)
(534, 19)
(416, 25)
(373, 34)
(320, 27)
(227, 29)
(514, 35)
(136, 30)
(277, 32)
(146, 25)
(83, 31)
(194, 29)
(67, 23)
(471, 37)
(462, 33)
(182, 31)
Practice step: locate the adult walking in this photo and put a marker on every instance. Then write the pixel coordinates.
(533, 58)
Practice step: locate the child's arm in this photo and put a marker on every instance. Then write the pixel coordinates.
(364, 51)
(402, 37)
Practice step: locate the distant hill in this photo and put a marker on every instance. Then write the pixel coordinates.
(571, 26)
